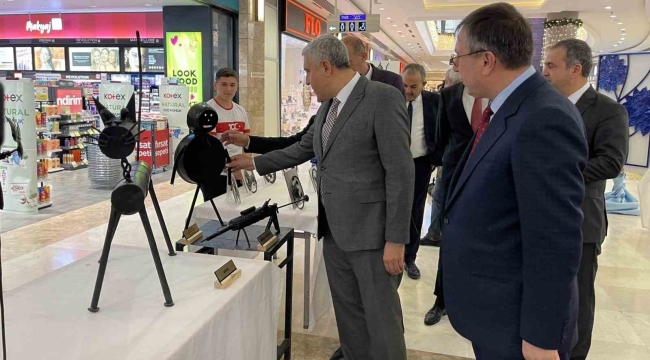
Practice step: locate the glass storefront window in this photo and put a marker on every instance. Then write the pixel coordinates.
(298, 101)
(223, 32)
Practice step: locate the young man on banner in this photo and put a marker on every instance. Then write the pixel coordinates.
(232, 116)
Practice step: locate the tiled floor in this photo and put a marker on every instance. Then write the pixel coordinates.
(622, 329)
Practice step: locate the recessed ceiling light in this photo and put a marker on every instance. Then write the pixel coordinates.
(394, 25)
(403, 36)
(620, 23)
(615, 45)
(382, 9)
(622, 38)
(389, 18)
(620, 42)
(147, 4)
(612, 16)
(408, 43)
(93, 6)
(622, 29)
(608, 8)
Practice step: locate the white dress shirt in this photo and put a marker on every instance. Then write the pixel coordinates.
(578, 94)
(468, 104)
(418, 136)
(369, 73)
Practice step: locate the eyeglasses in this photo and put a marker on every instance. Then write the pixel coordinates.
(454, 57)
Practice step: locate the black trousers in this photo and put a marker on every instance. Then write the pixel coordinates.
(422, 176)
(487, 354)
(587, 294)
(438, 289)
(216, 188)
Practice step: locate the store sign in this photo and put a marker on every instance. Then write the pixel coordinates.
(81, 26)
(115, 97)
(161, 148)
(184, 62)
(72, 99)
(303, 22)
(56, 24)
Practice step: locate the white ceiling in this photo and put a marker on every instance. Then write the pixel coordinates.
(404, 16)
(82, 6)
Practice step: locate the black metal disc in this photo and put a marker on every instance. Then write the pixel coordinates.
(200, 158)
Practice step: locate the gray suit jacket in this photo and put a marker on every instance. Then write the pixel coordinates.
(606, 122)
(366, 169)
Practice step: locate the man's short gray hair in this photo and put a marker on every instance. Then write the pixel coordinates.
(414, 68)
(355, 43)
(577, 52)
(327, 47)
(454, 77)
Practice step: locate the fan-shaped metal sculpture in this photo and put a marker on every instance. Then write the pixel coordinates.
(118, 140)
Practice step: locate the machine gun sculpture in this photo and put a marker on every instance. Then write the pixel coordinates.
(252, 216)
(117, 141)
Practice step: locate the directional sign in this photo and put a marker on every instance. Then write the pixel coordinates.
(353, 23)
(355, 17)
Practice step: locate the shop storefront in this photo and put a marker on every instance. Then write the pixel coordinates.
(297, 101)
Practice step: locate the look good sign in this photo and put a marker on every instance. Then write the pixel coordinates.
(184, 62)
(115, 97)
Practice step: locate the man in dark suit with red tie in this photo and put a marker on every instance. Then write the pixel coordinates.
(511, 252)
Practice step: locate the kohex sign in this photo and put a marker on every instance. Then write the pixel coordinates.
(173, 96)
(114, 97)
(13, 98)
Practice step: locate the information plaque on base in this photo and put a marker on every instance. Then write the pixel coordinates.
(267, 239)
(191, 235)
(226, 275)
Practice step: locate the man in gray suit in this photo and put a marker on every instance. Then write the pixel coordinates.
(365, 179)
(568, 65)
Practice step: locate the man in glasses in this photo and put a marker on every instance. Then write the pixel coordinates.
(511, 252)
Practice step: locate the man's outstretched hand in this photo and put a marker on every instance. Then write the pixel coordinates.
(234, 137)
(241, 162)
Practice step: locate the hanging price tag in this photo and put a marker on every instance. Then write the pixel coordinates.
(81, 146)
(74, 164)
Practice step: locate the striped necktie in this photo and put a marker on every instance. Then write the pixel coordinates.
(329, 122)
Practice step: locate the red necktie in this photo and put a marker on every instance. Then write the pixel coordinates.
(477, 114)
(485, 121)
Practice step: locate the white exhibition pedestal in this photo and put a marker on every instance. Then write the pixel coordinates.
(317, 298)
(48, 318)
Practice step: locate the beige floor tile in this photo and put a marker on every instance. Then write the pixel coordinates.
(629, 300)
(603, 350)
(613, 326)
(623, 277)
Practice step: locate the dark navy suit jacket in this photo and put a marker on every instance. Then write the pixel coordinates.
(513, 216)
(430, 104)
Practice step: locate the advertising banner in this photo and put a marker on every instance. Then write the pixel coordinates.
(115, 97)
(69, 100)
(184, 61)
(174, 104)
(18, 177)
(160, 147)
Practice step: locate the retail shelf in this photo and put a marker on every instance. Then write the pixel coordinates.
(74, 122)
(54, 151)
(51, 133)
(72, 168)
(43, 206)
(43, 179)
(55, 170)
(41, 130)
(71, 147)
(81, 134)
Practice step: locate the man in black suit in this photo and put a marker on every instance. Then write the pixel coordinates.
(458, 116)
(512, 234)
(358, 56)
(422, 107)
(567, 66)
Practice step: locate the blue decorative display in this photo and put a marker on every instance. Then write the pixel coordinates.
(612, 72)
(638, 109)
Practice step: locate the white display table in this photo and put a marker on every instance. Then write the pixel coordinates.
(48, 318)
(316, 288)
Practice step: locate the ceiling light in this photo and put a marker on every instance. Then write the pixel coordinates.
(382, 9)
(389, 18)
(615, 45)
(620, 23)
(394, 25)
(612, 16)
(403, 36)
(620, 42)
(622, 29)
(608, 8)
(93, 6)
(147, 4)
(408, 43)
(622, 38)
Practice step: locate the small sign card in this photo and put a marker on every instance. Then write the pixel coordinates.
(226, 275)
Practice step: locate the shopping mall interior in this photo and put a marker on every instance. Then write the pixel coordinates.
(56, 57)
